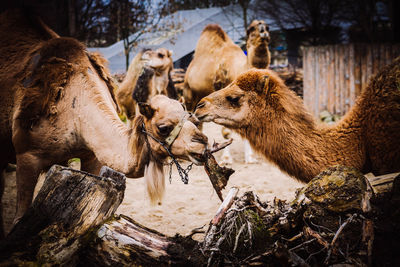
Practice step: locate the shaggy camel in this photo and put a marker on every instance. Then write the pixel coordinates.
(262, 109)
(57, 102)
(156, 66)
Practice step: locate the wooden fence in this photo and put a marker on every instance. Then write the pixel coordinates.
(334, 75)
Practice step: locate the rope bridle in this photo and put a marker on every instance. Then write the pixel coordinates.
(183, 173)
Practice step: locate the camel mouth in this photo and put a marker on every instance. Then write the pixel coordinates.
(197, 158)
(204, 118)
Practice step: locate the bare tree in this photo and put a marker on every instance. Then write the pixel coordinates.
(319, 19)
(372, 20)
(129, 20)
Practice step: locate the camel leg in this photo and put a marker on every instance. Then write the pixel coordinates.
(226, 156)
(248, 153)
(28, 170)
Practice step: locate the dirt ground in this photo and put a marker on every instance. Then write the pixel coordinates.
(189, 206)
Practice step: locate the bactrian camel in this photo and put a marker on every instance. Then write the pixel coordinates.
(218, 61)
(57, 102)
(152, 67)
(262, 109)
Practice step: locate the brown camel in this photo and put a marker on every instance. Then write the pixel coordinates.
(217, 60)
(152, 67)
(57, 102)
(262, 109)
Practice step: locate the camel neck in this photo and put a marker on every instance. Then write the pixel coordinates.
(258, 56)
(302, 148)
(112, 142)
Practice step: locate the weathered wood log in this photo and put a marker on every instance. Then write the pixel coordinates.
(69, 205)
(218, 175)
(124, 242)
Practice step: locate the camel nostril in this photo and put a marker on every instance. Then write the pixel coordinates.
(202, 139)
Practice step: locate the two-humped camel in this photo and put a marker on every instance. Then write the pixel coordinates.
(57, 102)
(149, 74)
(262, 109)
(218, 61)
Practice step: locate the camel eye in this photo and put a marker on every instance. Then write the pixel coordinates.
(164, 130)
(234, 100)
(251, 29)
(160, 55)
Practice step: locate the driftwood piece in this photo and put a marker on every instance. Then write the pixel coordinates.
(69, 205)
(218, 175)
(219, 216)
(124, 242)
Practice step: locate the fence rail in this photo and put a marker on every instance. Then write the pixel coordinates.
(334, 75)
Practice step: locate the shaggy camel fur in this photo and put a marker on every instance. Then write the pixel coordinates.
(153, 68)
(262, 109)
(217, 60)
(57, 102)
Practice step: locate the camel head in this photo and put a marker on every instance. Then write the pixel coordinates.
(160, 60)
(257, 31)
(166, 120)
(160, 63)
(258, 38)
(240, 104)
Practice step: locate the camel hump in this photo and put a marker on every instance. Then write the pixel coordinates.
(66, 48)
(215, 28)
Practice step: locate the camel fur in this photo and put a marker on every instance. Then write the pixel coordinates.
(217, 60)
(57, 103)
(262, 109)
(148, 74)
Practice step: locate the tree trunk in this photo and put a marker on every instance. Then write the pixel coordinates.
(70, 204)
(71, 18)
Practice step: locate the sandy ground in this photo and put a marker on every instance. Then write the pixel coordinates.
(189, 206)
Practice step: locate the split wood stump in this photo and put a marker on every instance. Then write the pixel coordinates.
(68, 206)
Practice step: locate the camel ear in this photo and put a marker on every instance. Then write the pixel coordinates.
(27, 82)
(170, 53)
(262, 85)
(146, 110)
(182, 101)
